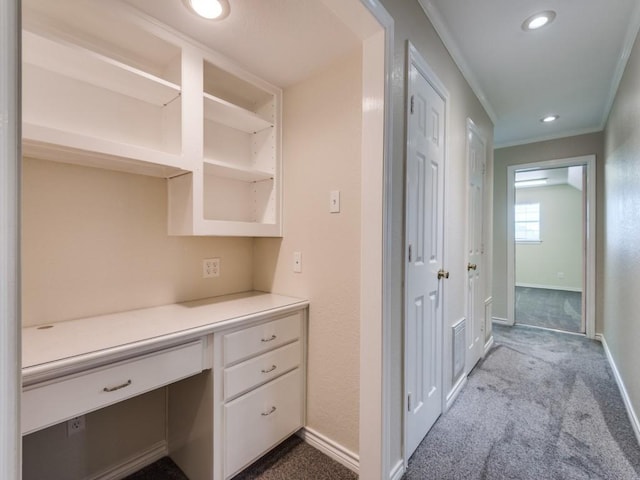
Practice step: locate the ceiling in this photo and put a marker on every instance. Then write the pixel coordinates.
(281, 41)
(571, 68)
(572, 176)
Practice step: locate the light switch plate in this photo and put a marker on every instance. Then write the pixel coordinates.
(334, 201)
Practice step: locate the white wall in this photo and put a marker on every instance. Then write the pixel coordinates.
(321, 152)
(539, 264)
(620, 280)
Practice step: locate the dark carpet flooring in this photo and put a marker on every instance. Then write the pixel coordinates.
(291, 460)
(556, 309)
(541, 405)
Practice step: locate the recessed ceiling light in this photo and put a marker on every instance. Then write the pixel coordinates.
(549, 118)
(538, 20)
(209, 9)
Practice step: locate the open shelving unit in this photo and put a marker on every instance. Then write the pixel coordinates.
(103, 90)
(239, 177)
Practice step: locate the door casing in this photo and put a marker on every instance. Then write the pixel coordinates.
(589, 222)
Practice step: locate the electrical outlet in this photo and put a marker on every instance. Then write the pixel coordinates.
(75, 425)
(210, 267)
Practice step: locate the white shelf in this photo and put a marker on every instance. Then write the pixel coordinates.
(81, 64)
(226, 170)
(68, 147)
(221, 111)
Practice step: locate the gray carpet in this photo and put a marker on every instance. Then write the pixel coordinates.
(291, 460)
(541, 307)
(163, 469)
(541, 405)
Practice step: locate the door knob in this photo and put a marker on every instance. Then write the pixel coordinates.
(443, 274)
(472, 266)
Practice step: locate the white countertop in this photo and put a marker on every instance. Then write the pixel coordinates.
(86, 339)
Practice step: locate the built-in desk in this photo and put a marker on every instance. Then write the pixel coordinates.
(251, 346)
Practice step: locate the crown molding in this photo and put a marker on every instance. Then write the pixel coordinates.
(450, 44)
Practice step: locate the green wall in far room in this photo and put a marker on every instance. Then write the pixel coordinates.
(555, 262)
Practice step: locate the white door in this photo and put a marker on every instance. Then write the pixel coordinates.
(424, 244)
(475, 194)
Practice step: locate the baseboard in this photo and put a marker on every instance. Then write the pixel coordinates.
(501, 321)
(455, 391)
(330, 448)
(488, 345)
(623, 390)
(550, 287)
(397, 471)
(133, 463)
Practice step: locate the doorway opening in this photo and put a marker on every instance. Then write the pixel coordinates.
(549, 242)
(551, 258)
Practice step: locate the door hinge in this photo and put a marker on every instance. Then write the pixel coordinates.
(410, 255)
(411, 104)
(409, 403)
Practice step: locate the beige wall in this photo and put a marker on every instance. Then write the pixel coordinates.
(577, 146)
(538, 264)
(111, 436)
(621, 277)
(412, 24)
(321, 152)
(94, 241)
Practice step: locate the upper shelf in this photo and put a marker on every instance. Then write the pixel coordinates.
(77, 62)
(222, 169)
(233, 116)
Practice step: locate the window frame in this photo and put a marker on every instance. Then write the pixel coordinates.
(516, 221)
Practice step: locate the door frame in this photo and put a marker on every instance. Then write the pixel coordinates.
(473, 128)
(413, 57)
(10, 146)
(377, 458)
(589, 229)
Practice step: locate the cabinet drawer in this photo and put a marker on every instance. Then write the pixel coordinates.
(260, 419)
(260, 338)
(259, 370)
(50, 403)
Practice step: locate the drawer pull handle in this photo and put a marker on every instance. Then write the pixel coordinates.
(113, 389)
(273, 367)
(272, 337)
(266, 414)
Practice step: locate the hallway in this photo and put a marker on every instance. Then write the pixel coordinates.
(541, 404)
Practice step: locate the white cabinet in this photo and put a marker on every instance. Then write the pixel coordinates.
(47, 403)
(259, 390)
(105, 87)
(235, 369)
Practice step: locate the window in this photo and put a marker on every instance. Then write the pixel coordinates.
(527, 222)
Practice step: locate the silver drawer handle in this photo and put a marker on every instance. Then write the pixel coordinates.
(272, 337)
(113, 389)
(266, 414)
(273, 367)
